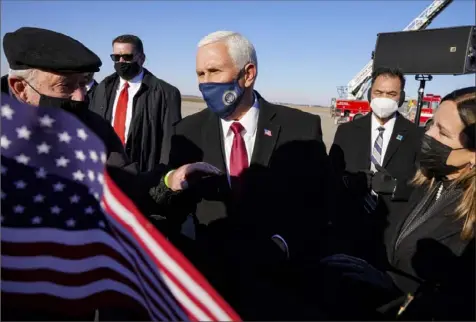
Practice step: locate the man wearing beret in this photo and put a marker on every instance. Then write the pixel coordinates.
(47, 69)
(141, 107)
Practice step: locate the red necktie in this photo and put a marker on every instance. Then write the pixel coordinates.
(238, 156)
(121, 112)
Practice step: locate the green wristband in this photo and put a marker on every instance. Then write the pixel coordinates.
(166, 178)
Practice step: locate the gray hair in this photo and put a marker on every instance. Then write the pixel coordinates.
(26, 74)
(240, 49)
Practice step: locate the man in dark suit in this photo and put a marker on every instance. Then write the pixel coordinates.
(4, 85)
(270, 204)
(90, 84)
(140, 106)
(374, 159)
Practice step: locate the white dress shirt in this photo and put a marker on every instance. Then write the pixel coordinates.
(134, 86)
(250, 124)
(387, 134)
(88, 86)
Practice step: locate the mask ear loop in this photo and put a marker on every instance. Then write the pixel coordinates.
(32, 88)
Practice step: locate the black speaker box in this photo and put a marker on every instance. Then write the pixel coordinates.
(444, 51)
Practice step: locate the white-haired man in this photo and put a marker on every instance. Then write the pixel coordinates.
(47, 69)
(266, 208)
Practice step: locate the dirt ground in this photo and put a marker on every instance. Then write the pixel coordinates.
(328, 127)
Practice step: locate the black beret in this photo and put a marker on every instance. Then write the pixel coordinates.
(48, 50)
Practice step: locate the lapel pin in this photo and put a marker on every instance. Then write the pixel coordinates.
(267, 132)
(399, 137)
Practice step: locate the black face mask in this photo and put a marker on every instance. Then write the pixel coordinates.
(127, 71)
(66, 104)
(433, 158)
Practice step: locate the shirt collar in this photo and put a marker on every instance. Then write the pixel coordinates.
(387, 126)
(136, 80)
(88, 86)
(249, 120)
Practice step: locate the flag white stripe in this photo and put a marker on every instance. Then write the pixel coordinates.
(70, 292)
(53, 235)
(78, 238)
(180, 296)
(71, 266)
(186, 301)
(195, 289)
(173, 309)
(158, 277)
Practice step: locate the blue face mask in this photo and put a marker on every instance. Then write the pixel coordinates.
(222, 98)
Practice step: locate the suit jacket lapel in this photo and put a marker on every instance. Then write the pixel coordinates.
(398, 136)
(212, 143)
(363, 135)
(267, 133)
(110, 93)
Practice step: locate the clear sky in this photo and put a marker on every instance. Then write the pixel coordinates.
(305, 48)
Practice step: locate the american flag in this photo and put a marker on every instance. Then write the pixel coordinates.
(267, 132)
(72, 242)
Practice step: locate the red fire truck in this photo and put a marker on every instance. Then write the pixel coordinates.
(430, 104)
(348, 110)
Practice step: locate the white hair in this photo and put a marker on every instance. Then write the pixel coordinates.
(26, 74)
(240, 49)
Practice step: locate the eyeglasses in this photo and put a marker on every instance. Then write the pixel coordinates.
(126, 57)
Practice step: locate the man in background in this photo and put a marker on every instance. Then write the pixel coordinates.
(4, 85)
(47, 69)
(90, 84)
(140, 106)
(374, 157)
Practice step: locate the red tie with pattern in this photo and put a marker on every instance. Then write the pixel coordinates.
(238, 156)
(121, 112)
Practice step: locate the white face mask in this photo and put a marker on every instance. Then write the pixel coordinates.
(383, 107)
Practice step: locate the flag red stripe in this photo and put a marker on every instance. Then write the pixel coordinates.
(160, 266)
(76, 307)
(68, 279)
(144, 265)
(84, 252)
(145, 260)
(111, 213)
(174, 253)
(74, 252)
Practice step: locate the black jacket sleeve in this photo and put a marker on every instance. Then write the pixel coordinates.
(452, 299)
(172, 115)
(357, 183)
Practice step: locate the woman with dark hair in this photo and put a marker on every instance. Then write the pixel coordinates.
(430, 274)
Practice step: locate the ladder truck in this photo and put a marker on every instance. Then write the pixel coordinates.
(354, 106)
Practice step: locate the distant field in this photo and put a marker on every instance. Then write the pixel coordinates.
(192, 105)
(190, 98)
(306, 108)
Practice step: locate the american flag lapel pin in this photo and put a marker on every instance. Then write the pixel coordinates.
(267, 132)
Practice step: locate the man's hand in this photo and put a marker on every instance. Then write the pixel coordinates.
(179, 179)
(357, 269)
(358, 181)
(382, 181)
